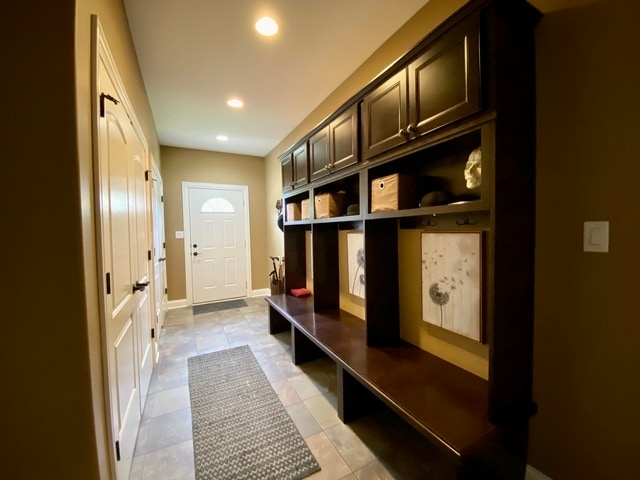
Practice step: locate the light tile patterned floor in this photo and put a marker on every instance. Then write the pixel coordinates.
(377, 446)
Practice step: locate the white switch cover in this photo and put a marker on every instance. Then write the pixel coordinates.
(596, 237)
(179, 234)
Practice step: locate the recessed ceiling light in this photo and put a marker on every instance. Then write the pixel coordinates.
(235, 103)
(267, 26)
(222, 138)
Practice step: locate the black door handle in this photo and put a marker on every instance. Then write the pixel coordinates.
(162, 259)
(195, 254)
(139, 286)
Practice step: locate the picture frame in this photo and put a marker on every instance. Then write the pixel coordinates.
(356, 263)
(452, 282)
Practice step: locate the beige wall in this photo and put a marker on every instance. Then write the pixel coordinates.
(52, 403)
(587, 328)
(186, 165)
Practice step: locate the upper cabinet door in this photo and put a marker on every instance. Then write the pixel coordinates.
(287, 172)
(444, 83)
(384, 116)
(300, 166)
(344, 139)
(319, 154)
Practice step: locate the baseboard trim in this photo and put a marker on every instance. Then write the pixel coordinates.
(533, 474)
(260, 293)
(171, 304)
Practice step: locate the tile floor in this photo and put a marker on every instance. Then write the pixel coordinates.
(377, 446)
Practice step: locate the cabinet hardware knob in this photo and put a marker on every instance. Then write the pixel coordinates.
(402, 132)
(411, 129)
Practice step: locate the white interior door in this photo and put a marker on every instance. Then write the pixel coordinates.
(159, 252)
(120, 163)
(216, 236)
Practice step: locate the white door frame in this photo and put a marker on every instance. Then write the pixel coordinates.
(187, 230)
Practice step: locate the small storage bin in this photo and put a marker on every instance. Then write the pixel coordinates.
(328, 205)
(394, 192)
(304, 207)
(293, 212)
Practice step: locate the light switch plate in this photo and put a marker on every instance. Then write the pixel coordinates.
(596, 237)
(179, 234)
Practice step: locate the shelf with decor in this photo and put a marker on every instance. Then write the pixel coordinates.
(428, 288)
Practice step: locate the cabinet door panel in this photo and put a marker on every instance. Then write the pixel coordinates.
(287, 172)
(300, 166)
(384, 116)
(344, 139)
(444, 83)
(319, 160)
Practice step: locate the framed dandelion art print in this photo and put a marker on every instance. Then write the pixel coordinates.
(355, 252)
(452, 282)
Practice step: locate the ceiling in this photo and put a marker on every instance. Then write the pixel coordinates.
(196, 54)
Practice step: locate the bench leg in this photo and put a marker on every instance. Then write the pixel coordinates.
(353, 398)
(277, 323)
(302, 349)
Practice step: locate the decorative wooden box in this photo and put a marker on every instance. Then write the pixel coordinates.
(305, 209)
(329, 205)
(394, 192)
(293, 212)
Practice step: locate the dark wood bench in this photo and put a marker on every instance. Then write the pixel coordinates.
(445, 403)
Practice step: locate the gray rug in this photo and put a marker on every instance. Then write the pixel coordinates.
(216, 307)
(240, 428)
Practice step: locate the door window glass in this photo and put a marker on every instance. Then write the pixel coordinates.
(217, 205)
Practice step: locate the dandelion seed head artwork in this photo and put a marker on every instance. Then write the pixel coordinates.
(356, 263)
(451, 282)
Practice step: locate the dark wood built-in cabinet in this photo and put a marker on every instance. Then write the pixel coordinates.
(335, 146)
(467, 88)
(439, 87)
(295, 168)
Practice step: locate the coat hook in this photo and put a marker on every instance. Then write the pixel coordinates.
(466, 221)
(430, 222)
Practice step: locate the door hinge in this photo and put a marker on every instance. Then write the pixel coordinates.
(108, 283)
(162, 199)
(166, 290)
(149, 255)
(164, 244)
(102, 98)
(118, 450)
(146, 175)
(153, 333)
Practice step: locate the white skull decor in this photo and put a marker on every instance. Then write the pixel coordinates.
(473, 169)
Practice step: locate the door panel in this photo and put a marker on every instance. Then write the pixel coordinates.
(118, 265)
(384, 116)
(123, 235)
(217, 243)
(159, 256)
(444, 82)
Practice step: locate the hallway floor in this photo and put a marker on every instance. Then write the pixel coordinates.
(377, 446)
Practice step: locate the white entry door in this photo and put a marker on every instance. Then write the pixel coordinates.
(215, 236)
(122, 197)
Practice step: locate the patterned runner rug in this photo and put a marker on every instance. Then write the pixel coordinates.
(240, 428)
